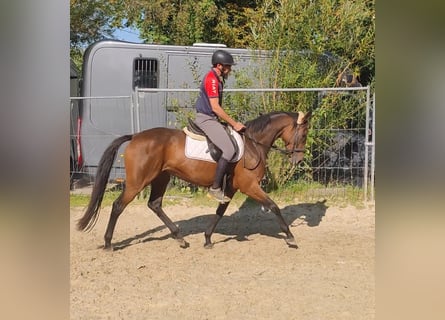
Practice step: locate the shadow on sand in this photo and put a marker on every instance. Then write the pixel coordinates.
(250, 219)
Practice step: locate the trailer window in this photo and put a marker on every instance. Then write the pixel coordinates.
(145, 73)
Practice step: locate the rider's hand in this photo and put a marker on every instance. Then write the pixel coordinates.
(239, 127)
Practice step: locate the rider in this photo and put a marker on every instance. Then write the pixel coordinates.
(210, 112)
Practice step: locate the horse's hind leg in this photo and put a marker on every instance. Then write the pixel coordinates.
(158, 187)
(222, 207)
(211, 228)
(119, 205)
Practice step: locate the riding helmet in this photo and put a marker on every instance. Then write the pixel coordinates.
(222, 57)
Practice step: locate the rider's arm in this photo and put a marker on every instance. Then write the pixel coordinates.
(219, 111)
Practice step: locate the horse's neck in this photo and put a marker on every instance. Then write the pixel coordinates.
(272, 133)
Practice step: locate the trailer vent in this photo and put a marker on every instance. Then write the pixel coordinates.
(145, 73)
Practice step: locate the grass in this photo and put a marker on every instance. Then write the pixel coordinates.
(295, 192)
(172, 197)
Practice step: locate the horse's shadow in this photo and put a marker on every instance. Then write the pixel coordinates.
(248, 220)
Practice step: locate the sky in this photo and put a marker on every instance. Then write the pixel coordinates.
(128, 34)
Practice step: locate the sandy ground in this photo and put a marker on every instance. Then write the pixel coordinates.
(249, 274)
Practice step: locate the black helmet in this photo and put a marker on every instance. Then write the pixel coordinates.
(222, 57)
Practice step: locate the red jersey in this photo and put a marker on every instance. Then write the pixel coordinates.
(211, 87)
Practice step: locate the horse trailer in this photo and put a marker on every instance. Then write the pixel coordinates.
(115, 72)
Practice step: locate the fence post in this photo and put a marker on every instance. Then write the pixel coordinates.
(373, 147)
(365, 171)
(136, 109)
(370, 129)
(132, 109)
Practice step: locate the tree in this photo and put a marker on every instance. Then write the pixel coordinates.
(311, 43)
(183, 22)
(344, 29)
(90, 20)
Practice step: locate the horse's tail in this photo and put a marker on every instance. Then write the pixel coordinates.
(87, 222)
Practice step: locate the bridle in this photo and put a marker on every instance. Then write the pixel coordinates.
(294, 138)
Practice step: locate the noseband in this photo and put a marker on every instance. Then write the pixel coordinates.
(287, 152)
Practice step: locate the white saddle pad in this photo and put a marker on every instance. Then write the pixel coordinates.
(199, 150)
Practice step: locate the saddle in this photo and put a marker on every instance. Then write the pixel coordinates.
(195, 133)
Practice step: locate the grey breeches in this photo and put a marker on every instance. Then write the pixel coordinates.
(217, 134)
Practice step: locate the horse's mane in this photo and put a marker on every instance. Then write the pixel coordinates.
(264, 120)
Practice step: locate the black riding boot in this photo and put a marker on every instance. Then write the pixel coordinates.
(215, 190)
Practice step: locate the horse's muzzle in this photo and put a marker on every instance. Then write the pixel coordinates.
(296, 158)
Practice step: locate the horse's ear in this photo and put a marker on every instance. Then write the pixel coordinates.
(300, 117)
(303, 117)
(307, 116)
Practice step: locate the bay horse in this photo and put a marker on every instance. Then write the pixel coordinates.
(154, 155)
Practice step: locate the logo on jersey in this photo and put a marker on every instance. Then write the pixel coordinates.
(214, 86)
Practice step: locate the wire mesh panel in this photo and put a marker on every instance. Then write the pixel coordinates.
(338, 148)
(336, 164)
(95, 123)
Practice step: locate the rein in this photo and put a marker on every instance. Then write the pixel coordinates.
(274, 147)
(284, 151)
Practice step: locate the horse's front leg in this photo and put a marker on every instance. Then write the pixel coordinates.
(260, 196)
(271, 205)
(222, 207)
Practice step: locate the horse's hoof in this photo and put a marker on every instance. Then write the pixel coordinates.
(108, 248)
(183, 244)
(208, 246)
(292, 243)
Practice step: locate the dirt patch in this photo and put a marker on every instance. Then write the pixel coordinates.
(249, 274)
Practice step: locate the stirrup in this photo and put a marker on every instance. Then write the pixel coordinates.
(218, 195)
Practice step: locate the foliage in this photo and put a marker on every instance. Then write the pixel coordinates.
(327, 32)
(343, 29)
(90, 21)
(311, 43)
(183, 22)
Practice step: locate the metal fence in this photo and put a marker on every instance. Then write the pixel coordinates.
(340, 162)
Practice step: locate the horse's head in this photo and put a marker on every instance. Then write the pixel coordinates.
(295, 135)
(291, 127)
